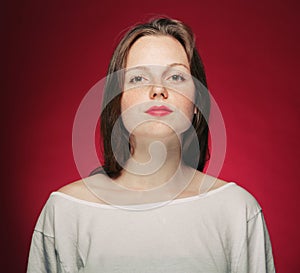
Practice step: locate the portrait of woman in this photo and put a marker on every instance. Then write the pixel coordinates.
(151, 207)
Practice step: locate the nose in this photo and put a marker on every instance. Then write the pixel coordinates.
(158, 91)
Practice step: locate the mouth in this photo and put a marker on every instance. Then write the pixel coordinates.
(159, 111)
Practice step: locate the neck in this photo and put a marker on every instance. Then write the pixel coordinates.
(153, 162)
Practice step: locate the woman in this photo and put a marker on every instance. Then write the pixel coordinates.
(147, 209)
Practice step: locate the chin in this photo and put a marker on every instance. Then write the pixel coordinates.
(157, 129)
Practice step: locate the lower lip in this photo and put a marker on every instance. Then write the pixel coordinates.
(158, 113)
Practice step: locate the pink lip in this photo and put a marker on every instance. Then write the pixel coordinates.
(159, 111)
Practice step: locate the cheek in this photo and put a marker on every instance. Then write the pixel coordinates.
(130, 110)
(188, 110)
(124, 100)
(185, 103)
(127, 101)
(132, 98)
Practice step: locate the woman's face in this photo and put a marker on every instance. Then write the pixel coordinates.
(158, 95)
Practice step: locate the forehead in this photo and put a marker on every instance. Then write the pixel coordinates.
(156, 50)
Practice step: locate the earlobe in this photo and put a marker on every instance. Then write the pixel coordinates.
(195, 110)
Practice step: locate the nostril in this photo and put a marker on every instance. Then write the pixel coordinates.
(165, 95)
(159, 91)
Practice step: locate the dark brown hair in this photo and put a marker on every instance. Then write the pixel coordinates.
(111, 112)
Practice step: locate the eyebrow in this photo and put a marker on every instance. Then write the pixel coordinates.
(176, 64)
(145, 67)
(139, 67)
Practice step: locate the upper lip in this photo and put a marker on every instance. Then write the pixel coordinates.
(159, 108)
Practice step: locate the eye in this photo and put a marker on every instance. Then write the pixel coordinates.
(137, 79)
(177, 78)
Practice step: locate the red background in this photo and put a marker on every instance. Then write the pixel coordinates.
(53, 52)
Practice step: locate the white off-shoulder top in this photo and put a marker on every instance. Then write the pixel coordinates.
(221, 231)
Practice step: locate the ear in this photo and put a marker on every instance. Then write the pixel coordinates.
(195, 110)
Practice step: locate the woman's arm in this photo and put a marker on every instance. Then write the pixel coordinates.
(256, 253)
(43, 256)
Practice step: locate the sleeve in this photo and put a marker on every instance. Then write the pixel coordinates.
(256, 253)
(42, 255)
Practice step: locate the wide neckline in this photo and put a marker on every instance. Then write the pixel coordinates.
(146, 205)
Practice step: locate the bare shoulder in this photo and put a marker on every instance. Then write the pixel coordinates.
(202, 182)
(214, 182)
(72, 188)
(219, 183)
(79, 190)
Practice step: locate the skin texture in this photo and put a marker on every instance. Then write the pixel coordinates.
(165, 56)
